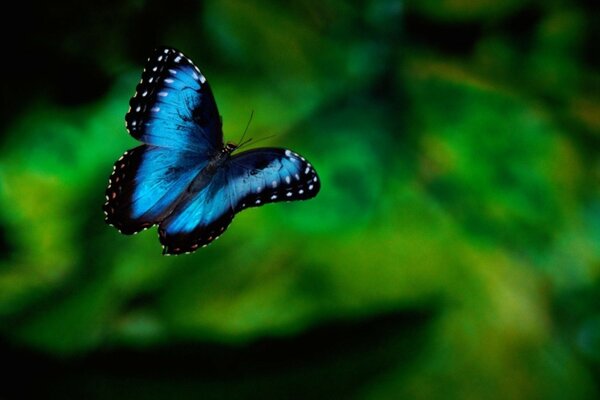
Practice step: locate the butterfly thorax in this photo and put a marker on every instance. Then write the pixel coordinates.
(220, 158)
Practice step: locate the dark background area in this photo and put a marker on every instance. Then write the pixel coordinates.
(452, 253)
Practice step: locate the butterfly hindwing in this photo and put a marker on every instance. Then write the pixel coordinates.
(145, 185)
(199, 218)
(250, 179)
(174, 107)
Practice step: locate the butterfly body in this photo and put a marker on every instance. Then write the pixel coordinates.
(184, 178)
(206, 175)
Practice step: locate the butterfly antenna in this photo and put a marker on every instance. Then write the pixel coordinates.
(243, 142)
(246, 130)
(262, 139)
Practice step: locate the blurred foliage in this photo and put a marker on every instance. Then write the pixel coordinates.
(457, 143)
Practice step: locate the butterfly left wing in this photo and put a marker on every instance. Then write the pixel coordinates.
(249, 179)
(174, 113)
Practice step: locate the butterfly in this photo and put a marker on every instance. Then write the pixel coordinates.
(183, 178)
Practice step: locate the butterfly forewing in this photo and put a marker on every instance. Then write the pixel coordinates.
(268, 175)
(174, 107)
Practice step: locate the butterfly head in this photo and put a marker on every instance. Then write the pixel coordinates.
(230, 147)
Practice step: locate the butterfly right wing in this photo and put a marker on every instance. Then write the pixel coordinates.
(174, 107)
(249, 179)
(146, 184)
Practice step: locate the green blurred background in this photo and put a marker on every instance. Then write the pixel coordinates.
(454, 249)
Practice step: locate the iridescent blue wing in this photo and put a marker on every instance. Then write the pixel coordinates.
(267, 175)
(173, 111)
(249, 179)
(199, 218)
(145, 185)
(174, 107)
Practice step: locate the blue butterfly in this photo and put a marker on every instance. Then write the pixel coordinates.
(183, 178)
